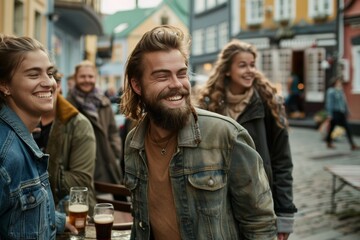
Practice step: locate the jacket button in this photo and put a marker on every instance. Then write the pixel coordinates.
(53, 226)
(31, 199)
(211, 182)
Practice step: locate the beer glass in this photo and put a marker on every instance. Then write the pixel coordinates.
(78, 208)
(104, 219)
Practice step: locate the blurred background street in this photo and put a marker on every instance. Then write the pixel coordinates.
(312, 188)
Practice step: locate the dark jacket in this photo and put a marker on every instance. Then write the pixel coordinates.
(108, 142)
(272, 143)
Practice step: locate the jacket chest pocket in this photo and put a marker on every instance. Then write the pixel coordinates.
(209, 189)
(29, 220)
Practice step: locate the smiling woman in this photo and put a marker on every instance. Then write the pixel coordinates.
(26, 91)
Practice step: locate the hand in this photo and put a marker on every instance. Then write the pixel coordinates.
(283, 236)
(70, 227)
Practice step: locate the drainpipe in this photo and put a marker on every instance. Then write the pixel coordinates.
(340, 31)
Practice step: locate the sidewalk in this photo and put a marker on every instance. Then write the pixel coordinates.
(312, 188)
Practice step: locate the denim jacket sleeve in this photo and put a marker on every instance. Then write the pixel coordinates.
(250, 192)
(60, 219)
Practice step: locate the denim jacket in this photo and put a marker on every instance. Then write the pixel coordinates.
(219, 184)
(26, 204)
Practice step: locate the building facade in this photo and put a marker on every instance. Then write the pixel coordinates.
(24, 18)
(68, 28)
(73, 29)
(350, 54)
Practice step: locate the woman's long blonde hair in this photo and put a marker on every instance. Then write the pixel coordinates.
(212, 96)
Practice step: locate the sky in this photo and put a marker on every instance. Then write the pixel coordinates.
(112, 6)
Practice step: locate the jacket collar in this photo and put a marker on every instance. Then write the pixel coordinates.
(64, 110)
(15, 123)
(255, 109)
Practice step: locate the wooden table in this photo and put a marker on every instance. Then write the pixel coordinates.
(91, 234)
(347, 175)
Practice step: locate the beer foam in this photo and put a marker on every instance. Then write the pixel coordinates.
(78, 208)
(103, 218)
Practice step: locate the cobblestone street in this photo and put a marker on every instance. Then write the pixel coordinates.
(313, 185)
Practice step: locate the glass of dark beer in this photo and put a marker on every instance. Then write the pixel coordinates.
(78, 208)
(103, 219)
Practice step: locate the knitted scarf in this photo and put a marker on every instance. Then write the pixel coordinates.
(237, 103)
(88, 102)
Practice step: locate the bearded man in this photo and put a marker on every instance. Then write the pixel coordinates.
(193, 174)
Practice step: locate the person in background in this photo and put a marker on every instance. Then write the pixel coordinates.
(27, 88)
(293, 101)
(90, 101)
(112, 95)
(193, 174)
(68, 137)
(238, 90)
(70, 83)
(338, 111)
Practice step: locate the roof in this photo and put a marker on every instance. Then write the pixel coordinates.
(122, 23)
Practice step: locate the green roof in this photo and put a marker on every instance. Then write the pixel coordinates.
(126, 21)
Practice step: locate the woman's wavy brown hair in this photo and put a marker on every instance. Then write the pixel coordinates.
(161, 38)
(212, 96)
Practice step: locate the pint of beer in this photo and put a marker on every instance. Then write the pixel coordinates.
(103, 218)
(78, 208)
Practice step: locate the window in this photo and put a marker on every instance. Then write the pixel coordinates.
(18, 18)
(266, 63)
(314, 75)
(254, 11)
(37, 28)
(284, 70)
(199, 6)
(356, 69)
(198, 39)
(284, 9)
(117, 53)
(320, 8)
(210, 45)
(204, 5)
(276, 66)
(211, 4)
(223, 35)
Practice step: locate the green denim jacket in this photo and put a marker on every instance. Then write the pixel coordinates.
(219, 184)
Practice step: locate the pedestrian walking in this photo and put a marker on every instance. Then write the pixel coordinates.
(238, 90)
(338, 111)
(193, 174)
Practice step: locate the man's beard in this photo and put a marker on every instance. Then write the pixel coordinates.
(168, 118)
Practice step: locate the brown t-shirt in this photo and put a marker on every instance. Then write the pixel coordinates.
(162, 210)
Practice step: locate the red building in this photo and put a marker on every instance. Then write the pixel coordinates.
(349, 51)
